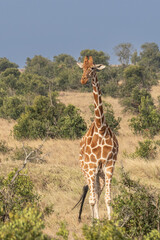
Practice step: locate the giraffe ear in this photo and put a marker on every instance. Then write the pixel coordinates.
(80, 64)
(100, 67)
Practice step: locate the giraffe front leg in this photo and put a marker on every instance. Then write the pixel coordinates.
(108, 178)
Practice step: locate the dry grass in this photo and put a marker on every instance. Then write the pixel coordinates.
(59, 181)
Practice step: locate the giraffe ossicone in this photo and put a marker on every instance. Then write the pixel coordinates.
(99, 146)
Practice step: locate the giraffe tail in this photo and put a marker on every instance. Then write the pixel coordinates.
(81, 201)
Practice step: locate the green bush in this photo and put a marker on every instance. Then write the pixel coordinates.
(48, 117)
(147, 149)
(25, 224)
(136, 208)
(148, 120)
(71, 124)
(133, 102)
(103, 230)
(153, 235)
(14, 196)
(12, 108)
(32, 83)
(136, 76)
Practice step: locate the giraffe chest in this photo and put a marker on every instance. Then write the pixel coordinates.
(96, 150)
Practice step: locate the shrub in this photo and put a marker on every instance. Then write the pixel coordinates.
(147, 149)
(63, 232)
(153, 235)
(32, 83)
(111, 88)
(47, 117)
(25, 224)
(12, 107)
(133, 102)
(71, 124)
(136, 76)
(148, 120)
(136, 208)
(103, 230)
(15, 196)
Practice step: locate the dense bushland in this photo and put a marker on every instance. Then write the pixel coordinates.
(49, 118)
(135, 212)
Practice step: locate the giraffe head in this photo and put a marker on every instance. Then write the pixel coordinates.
(89, 69)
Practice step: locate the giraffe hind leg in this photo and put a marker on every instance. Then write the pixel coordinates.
(108, 178)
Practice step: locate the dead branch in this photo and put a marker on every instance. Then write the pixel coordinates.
(27, 158)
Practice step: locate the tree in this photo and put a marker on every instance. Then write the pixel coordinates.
(136, 76)
(124, 52)
(5, 63)
(133, 101)
(9, 79)
(12, 107)
(65, 59)
(40, 65)
(32, 83)
(150, 56)
(99, 57)
(135, 58)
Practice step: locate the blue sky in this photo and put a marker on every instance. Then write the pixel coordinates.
(52, 27)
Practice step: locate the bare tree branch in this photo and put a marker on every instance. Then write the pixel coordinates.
(27, 158)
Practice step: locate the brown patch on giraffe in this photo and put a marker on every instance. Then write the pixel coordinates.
(110, 156)
(91, 130)
(92, 165)
(85, 166)
(96, 98)
(88, 149)
(101, 109)
(100, 101)
(89, 139)
(108, 141)
(97, 113)
(94, 141)
(109, 164)
(106, 150)
(92, 178)
(90, 172)
(103, 119)
(86, 158)
(98, 122)
(93, 159)
(97, 151)
(100, 140)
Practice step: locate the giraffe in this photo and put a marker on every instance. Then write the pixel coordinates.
(98, 148)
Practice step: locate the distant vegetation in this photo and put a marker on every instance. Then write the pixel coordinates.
(43, 77)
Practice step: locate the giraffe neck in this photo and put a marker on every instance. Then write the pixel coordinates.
(98, 108)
